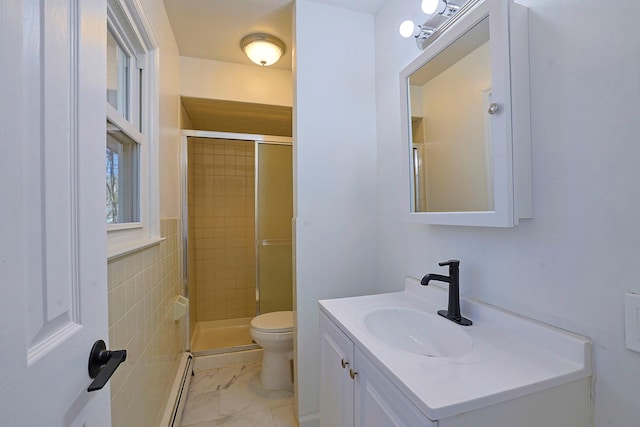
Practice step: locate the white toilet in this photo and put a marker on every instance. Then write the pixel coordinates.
(274, 333)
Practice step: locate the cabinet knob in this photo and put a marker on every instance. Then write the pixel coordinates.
(344, 363)
(352, 374)
(493, 108)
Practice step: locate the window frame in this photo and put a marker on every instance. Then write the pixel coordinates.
(139, 139)
(134, 75)
(128, 25)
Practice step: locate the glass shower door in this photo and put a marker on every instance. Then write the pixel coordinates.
(274, 194)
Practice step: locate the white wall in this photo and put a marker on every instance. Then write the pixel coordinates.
(571, 264)
(201, 78)
(335, 172)
(169, 111)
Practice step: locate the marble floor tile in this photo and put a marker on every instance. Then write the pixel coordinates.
(246, 375)
(231, 396)
(201, 407)
(219, 378)
(251, 419)
(204, 424)
(284, 416)
(249, 396)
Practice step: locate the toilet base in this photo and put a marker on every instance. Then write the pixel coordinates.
(276, 372)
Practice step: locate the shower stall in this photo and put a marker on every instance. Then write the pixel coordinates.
(237, 202)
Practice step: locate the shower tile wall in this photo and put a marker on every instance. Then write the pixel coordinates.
(222, 228)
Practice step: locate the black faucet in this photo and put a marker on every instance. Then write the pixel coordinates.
(453, 279)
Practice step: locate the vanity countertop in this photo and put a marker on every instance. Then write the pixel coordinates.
(512, 356)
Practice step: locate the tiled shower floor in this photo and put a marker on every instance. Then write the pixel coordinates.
(231, 396)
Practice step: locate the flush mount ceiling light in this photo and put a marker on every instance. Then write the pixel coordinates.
(263, 49)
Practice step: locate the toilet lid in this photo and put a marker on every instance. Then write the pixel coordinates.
(279, 321)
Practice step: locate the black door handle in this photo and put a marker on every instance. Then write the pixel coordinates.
(103, 363)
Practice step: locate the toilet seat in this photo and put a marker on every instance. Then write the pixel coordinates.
(279, 321)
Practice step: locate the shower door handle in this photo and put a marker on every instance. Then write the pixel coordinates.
(274, 242)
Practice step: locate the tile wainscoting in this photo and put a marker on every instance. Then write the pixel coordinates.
(142, 288)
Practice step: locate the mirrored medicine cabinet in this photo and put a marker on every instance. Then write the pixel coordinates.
(465, 109)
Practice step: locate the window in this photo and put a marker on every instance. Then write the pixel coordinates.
(117, 76)
(123, 177)
(130, 155)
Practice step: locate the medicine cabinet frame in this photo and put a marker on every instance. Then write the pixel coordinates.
(510, 125)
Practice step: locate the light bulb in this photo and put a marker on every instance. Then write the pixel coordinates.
(430, 6)
(406, 28)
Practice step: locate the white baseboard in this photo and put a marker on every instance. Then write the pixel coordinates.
(178, 394)
(312, 420)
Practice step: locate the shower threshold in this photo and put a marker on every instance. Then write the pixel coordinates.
(222, 336)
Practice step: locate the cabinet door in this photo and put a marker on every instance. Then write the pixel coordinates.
(378, 403)
(336, 389)
(483, 54)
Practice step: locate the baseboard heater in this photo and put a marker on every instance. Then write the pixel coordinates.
(178, 395)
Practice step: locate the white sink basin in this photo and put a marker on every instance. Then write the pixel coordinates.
(418, 332)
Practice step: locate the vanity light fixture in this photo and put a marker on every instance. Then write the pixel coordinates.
(443, 7)
(408, 29)
(441, 14)
(263, 49)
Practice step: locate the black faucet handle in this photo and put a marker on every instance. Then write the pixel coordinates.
(451, 262)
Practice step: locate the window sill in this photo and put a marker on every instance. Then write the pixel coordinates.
(118, 251)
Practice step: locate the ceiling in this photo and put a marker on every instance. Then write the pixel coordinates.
(212, 29)
(236, 117)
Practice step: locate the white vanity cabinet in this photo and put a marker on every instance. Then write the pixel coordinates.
(337, 355)
(354, 392)
(378, 403)
(518, 372)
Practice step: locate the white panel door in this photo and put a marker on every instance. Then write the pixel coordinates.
(53, 304)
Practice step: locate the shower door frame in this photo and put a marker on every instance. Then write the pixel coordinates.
(256, 139)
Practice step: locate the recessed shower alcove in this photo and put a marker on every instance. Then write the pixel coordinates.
(237, 191)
